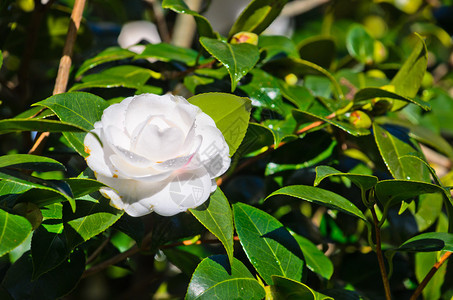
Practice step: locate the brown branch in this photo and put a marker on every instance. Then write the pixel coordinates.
(380, 257)
(65, 64)
(97, 251)
(197, 242)
(430, 275)
(255, 158)
(160, 20)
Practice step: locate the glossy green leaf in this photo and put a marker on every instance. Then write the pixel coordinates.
(305, 116)
(371, 93)
(31, 162)
(409, 77)
(427, 242)
(238, 59)
(269, 246)
(40, 125)
(364, 182)
(256, 137)
(14, 230)
(167, 52)
(35, 187)
(257, 16)
(315, 259)
(203, 26)
(300, 96)
(215, 214)
(360, 44)
(127, 76)
(300, 68)
(393, 150)
(319, 50)
(429, 208)
(131, 226)
(391, 192)
(214, 278)
(275, 45)
(109, 54)
(321, 197)
(288, 289)
(79, 108)
(424, 261)
(232, 120)
(185, 261)
(52, 285)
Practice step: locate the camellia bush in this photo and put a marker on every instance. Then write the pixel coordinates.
(265, 149)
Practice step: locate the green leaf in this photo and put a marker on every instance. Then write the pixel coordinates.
(360, 44)
(233, 117)
(131, 226)
(214, 278)
(315, 259)
(288, 289)
(31, 162)
(215, 214)
(14, 230)
(319, 50)
(52, 285)
(40, 125)
(256, 137)
(167, 52)
(276, 45)
(269, 246)
(238, 59)
(424, 261)
(305, 117)
(393, 150)
(428, 242)
(79, 108)
(371, 93)
(391, 192)
(36, 189)
(120, 76)
(321, 197)
(203, 26)
(185, 261)
(298, 95)
(409, 77)
(300, 67)
(109, 54)
(257, 16)
(1, 59)
(364, 182)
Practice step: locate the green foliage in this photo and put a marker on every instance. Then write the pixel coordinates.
(349, 111)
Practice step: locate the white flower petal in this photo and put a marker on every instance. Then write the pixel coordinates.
(96, 158)
(126, 170)
(134, 32)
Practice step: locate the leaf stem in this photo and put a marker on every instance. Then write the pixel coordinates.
(430, 275)
(380, 257)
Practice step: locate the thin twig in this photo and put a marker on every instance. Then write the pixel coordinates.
(97, 251)
(380, 257)
(160, 20)
(197, 242)
(430, 275)
(65, 64)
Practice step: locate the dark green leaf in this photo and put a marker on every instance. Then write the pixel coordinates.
(167, 52)
(238, 59)
(371, 93)
(277, 45)
(79, 108)
(321, 197)
(391, 192)
(257, 137)
(52, 285)
(305, 116)
(360, 44)
(40, 125)
(427, 242)
(364, 182)
(288, 289)
(120, 76)
(14, 230)
(109, 54)
(423, 264)
(214, 278)
(257, 16)
(215, 214)
(185, 261)
(232, 120)
(315, 259)
(409, 77)
(203, 26)
(269, 246)
(300, 96)
(131, 226)
(31, 162)
(393, 150)
(319, 50)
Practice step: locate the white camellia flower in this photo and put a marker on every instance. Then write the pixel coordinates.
(134, 32)
(158, 153)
